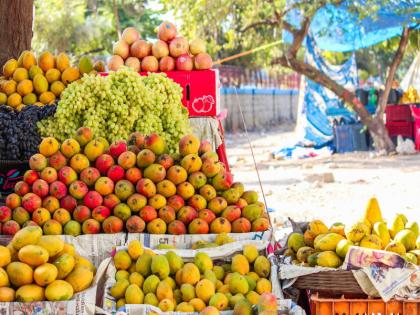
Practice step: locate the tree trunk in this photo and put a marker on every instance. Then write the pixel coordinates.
(375, 124)
(15, 28)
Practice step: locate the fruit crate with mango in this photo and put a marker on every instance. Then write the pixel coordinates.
(231, 277)
(347, 259)
(45, 272)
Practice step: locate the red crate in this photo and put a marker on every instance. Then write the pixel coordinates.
(200, 90)
(400, 128)
(398, 113)
(416, 115)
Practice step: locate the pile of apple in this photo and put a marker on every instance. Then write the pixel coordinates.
(169, 52)
(84, 185)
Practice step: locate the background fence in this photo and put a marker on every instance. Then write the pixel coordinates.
(262, 108)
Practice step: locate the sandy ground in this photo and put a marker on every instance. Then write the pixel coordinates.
(297, 189)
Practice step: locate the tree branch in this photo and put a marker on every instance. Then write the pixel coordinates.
(259, 23)
(399, 54)
(298, 38)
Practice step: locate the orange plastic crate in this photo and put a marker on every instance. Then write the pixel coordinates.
(344, 306)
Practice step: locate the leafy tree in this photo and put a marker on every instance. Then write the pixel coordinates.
(248, 24)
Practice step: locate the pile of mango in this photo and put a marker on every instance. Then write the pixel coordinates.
(327, 247)
(167, 282)
(38, 268)
(39, 81)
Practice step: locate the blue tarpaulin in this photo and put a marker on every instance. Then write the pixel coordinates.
(336, 29)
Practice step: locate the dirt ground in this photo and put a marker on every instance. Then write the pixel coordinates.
(334, 189)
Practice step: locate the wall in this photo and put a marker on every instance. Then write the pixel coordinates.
(262, 108)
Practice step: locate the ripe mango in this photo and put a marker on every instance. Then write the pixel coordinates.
(397, 225)
(413, 226)
(118, 289)
(357, 231)
(4, 278)
(210, 275)
(167, 305)
(62, 62)
(175, 262)
(219, 272)
(262, 266)
(219, 301)
(29, 235)
(184, 307)
(204, 290)
(240, 264)
(134, 295)
(410, 257)
(338, 228)
(303, 253)
(70, 74)
(416, 252)
(34, 70)
(203, 262)
(83, 262)
(52, 243)
(187, 292)
(371, 241)
(190, 274)
(242, 307)
(5, 256)
(407, 238)
(30, 293)
(252, 212)
(65, 264)
(295, 241)
(380, 229)
(80, 279)
(59, 290)
(308, 238)
(198, 304)
(263, 286)
(151, 299)
(135, 249)
(328, 242)
(164, 291)
(40, 84)
(312, 259)
(238, 284)
(33, 255)
(46, 61)
(343, 247)
(45, 274)
(373, 212)
(328, 259)
(9, 67)
(143, 265)
(250, 252)
(252, 283)
(150, 284)
(317, 227)
(7, 294)
(396, 247)
(160, 266)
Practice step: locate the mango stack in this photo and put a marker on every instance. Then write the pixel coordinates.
(327, 247)
(167, 282)
(29, 80)
(38, 268)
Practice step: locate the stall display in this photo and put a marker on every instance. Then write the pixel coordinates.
(327, 247)
(170, 52)
(42, 268)
(83, 185)
(167, 281)
(40, 81)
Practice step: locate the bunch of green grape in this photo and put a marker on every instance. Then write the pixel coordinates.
(119, 104)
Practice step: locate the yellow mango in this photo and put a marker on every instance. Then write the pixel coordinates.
(59, 290)
(373, 212)
(380, 229)
(30, 293)
(328, 242)
(80, 279)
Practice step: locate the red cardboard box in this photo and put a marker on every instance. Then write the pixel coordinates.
(201, 90)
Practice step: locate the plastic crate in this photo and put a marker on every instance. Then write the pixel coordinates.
(10, 173)
(415, 111)
(400, 128)
(349, 138)
(345, 306)
(398, 113)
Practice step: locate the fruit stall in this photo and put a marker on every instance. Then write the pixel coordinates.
(117, 198)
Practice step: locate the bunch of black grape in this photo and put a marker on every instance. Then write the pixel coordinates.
(19, 138)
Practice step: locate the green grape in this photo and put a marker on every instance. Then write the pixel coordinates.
(119, 104)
